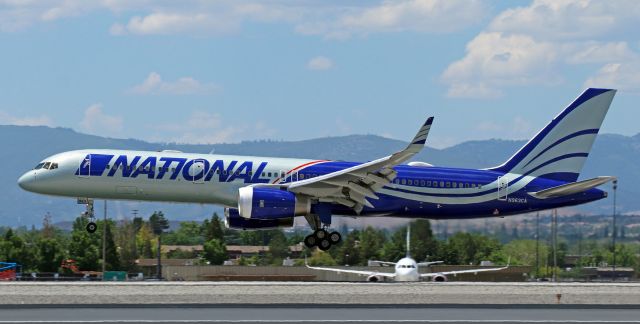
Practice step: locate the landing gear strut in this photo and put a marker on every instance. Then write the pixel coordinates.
(319, 222)
(89, 214)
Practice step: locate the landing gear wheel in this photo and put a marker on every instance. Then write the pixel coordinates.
(321, 234)
(310, 241)
(324, 245)
(92, 227)
(335, 237)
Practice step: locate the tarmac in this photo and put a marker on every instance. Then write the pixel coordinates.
(315, 314)
(317, 293)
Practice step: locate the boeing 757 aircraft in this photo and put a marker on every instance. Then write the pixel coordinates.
(263, 192)
(406, 269)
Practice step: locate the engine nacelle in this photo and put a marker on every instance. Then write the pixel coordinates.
(268, 203)
(233, 220)
(375, 278)
(439, 278)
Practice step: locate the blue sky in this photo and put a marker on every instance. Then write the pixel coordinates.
(226, 71)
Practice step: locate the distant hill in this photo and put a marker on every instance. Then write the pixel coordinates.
(24, 146)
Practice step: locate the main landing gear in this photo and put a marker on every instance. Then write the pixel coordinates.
(322, 239)
(91, 227)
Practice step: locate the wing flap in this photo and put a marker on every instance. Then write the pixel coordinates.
(354, 186)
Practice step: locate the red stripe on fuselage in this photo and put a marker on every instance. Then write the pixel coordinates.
(298, 168)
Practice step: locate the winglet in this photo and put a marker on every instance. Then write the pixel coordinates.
(421, 137)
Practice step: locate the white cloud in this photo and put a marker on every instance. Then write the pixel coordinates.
(195, 17)
(598, 52)
(427, 16)
(518, 127)
(320, 63)
(9, 119)
(154, 84)
(203, 127)
(95, 121)
(499, 60)
(569, 19)
(622, 76)
(533, 44)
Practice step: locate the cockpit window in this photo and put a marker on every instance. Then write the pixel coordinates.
(46, 166)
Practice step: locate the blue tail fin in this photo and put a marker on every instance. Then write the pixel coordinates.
(560, 149)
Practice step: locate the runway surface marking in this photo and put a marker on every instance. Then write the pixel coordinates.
(319, 321)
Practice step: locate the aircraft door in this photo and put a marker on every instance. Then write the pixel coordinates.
(503, 188)
(84, 169)
(197, 171)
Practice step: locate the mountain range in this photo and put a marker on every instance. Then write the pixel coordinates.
(24, 146)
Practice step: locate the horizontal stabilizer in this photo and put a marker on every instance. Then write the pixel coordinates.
(571, 188)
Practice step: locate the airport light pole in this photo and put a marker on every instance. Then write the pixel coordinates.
(104, 241)
(537, 244)
(554, 231)
(614, 234)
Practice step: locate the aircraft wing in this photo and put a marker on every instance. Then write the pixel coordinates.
(571, 188)
(353, 186)
(474, 271)
(428, 263)
(386, 263)
(358, 272)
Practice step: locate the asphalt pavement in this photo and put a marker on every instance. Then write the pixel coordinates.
(318, 314)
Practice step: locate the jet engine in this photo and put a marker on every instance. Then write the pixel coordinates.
(268, 203)
(375, 278)
(439, 278)
(233, 220)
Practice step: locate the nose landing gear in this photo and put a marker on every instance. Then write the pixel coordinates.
(91, 227)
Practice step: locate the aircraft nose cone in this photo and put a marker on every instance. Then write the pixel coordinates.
(27, 181)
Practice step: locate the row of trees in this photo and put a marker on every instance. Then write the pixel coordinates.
(128, 240)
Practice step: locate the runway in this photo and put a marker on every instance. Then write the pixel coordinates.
(312, 314)
(314, 293)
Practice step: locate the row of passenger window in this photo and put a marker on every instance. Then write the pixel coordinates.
(436, 184)
(224, 172)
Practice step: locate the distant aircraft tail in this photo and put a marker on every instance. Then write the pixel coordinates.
(560, 149)
(408, 240)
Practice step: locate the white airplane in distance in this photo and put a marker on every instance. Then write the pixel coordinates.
(406, 269)
(265, 192)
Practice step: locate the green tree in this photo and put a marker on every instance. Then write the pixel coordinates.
(50, 255)
(84, 247)
(126, 240)
(215, 251)
(521, 252)
(158, 222)
(320, 258)
(187, 234)
(278, 248)
(145, 241)
(468, 248)
(371, 242)
(14, 248)
(348, 251)
(423, 243)
(213, 229)
(112, 257)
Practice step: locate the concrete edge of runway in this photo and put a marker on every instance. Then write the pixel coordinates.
(333, 306)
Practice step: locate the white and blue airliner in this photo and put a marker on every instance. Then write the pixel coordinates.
(264, 192)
